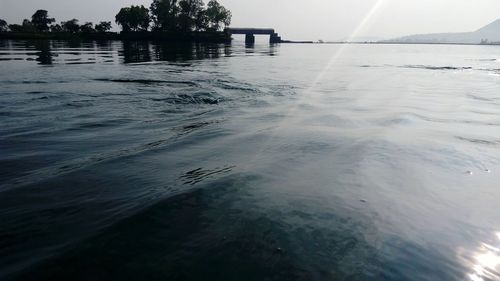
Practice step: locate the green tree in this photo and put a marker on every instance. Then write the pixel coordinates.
(201, 21)
(189, 11)
(28, 26)
(217, 15)
(123, 18)
(70, 26)
(3, 26)
(164, 14)
(56, 28)
(103, 26)
(88, 27)
(15, 27)
(41, 20)
(133, 18)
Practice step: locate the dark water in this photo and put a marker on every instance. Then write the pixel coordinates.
(143, 161)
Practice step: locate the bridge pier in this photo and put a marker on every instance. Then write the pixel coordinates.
(250, 39)
(274, 38)
(251, 32)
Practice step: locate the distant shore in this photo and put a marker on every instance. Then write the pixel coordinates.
(411, 43)
(191, 37)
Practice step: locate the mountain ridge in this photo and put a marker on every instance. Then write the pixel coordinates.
(487, 33)
(492, 27)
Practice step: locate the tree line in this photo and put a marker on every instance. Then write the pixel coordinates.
(41, 22)
(163, 16)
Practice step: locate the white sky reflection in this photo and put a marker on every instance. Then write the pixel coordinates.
(487, 262)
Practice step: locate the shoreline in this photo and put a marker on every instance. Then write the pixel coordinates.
(191, 37)
(194, 37)
(407, 43)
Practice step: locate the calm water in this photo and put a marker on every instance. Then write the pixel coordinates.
(142, 161)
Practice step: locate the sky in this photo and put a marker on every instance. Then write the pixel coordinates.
(301, 20)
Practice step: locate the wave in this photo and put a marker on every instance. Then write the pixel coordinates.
(476, 97)
(483, 59)
(233, 85)
(478, 141)
(198, 175)
(186, 129)
(430, 67)
(147, 81)
(195, 98)
(69, 166)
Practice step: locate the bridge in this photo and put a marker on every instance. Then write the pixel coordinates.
(251, 32)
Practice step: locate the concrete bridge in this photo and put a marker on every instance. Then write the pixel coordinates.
(251, 32)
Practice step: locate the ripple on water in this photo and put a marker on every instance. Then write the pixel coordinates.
(198, 175)
(479, 141)
(191, 99)
(236, 165)
(431, 67)
(148, 81)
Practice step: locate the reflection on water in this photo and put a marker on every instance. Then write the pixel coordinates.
(43, 52)
(136, 51)
(91, 52)
(486, 265)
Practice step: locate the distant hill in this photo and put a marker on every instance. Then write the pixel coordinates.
(489, 33)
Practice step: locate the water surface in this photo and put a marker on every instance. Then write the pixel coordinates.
(147, 161)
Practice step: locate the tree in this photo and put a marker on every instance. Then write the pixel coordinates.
(133, 18)
(103, 26)
(88, 27)
(217, 15)
(189, 11)
(71, 26)
(28, 26)
(164, 14)
(56, 28)
(3, 26)
(41, 20)
(15, 27)
(201, 21)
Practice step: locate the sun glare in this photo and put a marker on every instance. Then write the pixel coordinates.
(487, 263)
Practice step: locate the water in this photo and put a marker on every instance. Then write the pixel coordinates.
(143, 161)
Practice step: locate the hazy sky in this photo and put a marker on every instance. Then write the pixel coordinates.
(306, 19)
